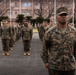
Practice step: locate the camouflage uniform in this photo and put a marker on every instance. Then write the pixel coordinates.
(49, 26)
(30, 26)
(0, 30)
(13, 34)
(62, 50)
(16, 28)
(26, 36)
(13, 37)
(18, 32)
(42, 31)
(5, 36)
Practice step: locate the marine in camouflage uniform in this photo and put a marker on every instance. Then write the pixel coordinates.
(42, 30)
(49, 26)
(31, 28)
(13, 36)
(26, 37)
(14, 32)
(5, 36)
(18, 31)
(0, 29)
(61, 39)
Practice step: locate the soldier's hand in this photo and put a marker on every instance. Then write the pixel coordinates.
(47, 65)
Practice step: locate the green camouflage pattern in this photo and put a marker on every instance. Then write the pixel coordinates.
(26, 33)
(41, 32)
(58, 48)
(62, 9)
(6, 32)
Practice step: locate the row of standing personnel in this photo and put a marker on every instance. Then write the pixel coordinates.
(59, 44)
(43, 27)
(11, 33)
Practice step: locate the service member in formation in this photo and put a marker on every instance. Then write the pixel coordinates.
(50, 25)
(5, 36)
(26, 37)
(30, 26)
(42, 30)
(61, 41)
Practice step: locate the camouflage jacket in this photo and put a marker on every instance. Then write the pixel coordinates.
(41, 32)
(31, 28)
(47, 28)
(13, 30)
(26, 33)
(6, 32)
(58, 48)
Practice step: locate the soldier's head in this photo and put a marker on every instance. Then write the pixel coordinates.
(26, 24)
(51, 23)
(5, 22)
(62, 15)
(44, 23)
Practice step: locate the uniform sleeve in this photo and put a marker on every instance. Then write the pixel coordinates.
(75, 35)
(10, 31)
(13, 30)
(31, 33)
(22, 32)
(1, 31)
(75, 49)
(44, 52)
(75, 45)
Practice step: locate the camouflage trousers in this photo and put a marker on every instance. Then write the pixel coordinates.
(56, 72)
(12, 42)
(5, 44)
(17, 37)
(41, 36)
(26, 44)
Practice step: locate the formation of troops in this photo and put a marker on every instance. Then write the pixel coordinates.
(44, 27)
(11, 32)
(58, 41)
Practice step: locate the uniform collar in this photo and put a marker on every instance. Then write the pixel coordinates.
(58, 30)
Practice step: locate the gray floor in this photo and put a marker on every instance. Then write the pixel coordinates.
(17, 64)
